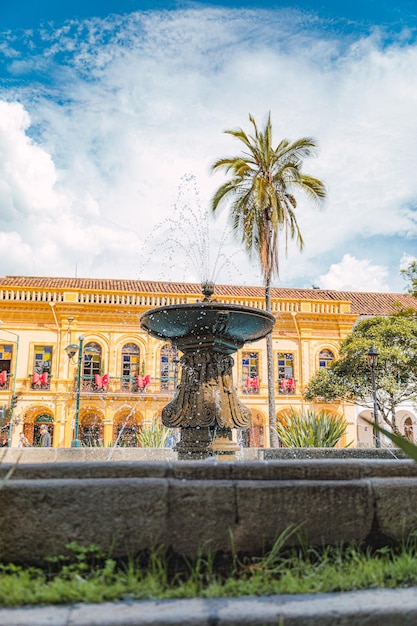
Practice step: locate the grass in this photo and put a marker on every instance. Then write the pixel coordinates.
(89, 576)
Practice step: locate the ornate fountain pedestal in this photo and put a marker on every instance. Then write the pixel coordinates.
(206, 407)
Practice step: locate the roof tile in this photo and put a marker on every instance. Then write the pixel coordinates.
(362, 303)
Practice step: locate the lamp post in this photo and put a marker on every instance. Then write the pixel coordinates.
(13, 400)
(71, 351)
(176, 361)
(372, 358)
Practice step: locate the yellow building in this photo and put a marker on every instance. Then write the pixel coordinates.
(126, 377)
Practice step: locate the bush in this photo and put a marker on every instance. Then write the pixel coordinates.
(310, 429)
(154, 435)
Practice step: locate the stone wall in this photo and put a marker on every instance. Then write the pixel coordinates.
(127, 507)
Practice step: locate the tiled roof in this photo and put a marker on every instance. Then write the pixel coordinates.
(362, 303)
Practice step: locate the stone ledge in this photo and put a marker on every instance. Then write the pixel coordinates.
(304, 469)
(126, 507)
(99, 455)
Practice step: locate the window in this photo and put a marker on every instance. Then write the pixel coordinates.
(325, 358)
(130, 360)
(43, 359)
(286, 380)
(130, 366)
(92, 362)
(169, 367)
(125, 431)
(6, 353)
(39, 421)
(250, 372)
(91, 431)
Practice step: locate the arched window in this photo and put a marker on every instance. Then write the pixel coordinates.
(125, 430)
(44, 419)
(325, 358)
(91, 431)
(169, 367)
(130, 365)
(92, 361)
(250, 372)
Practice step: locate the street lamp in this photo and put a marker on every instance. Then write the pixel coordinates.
(176, 361)
(372, 358)
(13, 400)
(71, 351)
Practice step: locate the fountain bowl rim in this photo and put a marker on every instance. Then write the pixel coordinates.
(221, 306)
(188, 335)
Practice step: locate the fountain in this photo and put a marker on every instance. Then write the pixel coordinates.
(206, 407)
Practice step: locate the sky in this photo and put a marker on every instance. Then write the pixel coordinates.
(112, 113)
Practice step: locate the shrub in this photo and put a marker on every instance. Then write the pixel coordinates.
(154, 435)
(310, 429)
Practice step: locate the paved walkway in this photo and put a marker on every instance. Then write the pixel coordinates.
(396, 607)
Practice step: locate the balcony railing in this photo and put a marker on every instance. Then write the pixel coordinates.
(40, 381)
(4, 380)
(286, 386)
(127, 385)
(250, 385)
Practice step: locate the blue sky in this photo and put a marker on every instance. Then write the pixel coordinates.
(26, 13)
(111, 114)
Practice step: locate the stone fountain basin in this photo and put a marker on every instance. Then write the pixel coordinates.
(193, 508)
(220, 327)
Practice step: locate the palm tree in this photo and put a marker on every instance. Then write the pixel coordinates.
(260, 186)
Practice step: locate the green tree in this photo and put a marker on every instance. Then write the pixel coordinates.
(410, 274)
(261, 184)
(349, 376)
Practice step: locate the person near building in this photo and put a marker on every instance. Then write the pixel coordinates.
(23, 441)
(45, 441)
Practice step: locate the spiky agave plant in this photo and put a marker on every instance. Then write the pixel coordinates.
(310, 429)
(154, 435)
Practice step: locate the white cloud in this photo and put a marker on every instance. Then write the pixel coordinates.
(406, 259)
(142, 99)
(27, 174)
(45, 226)
(355, 275)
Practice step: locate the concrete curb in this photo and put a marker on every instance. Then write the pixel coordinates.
(379, 607)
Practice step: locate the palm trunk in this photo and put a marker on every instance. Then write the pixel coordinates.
(271, 378)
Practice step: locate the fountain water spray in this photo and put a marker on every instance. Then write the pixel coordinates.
(186, 235)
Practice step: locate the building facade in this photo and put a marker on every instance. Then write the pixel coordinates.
(72, 353)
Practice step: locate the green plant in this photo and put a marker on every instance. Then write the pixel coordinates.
(402, 442)
(309, 429)
(154, 435)
(85, 574)
(349, 376)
